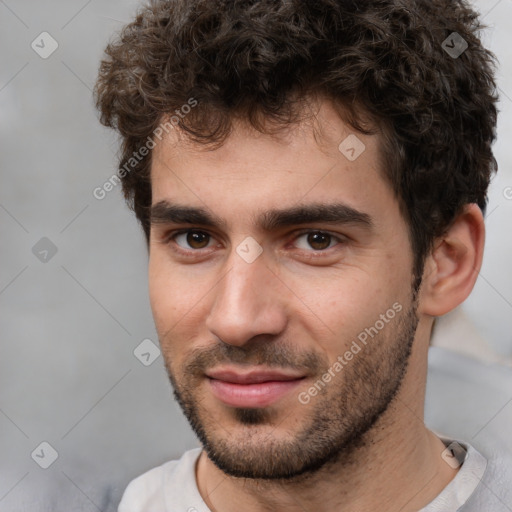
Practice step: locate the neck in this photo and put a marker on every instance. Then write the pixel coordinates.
(397, 467)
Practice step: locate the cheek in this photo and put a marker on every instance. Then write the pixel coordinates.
(168, 297)
(341, 309)
(178, 303)
(162, 299)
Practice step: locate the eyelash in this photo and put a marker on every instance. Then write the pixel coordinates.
(194, 252)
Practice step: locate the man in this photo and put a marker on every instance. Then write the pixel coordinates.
(310, 177)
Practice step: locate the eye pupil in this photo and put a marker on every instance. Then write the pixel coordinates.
(319, 240)
(197, 239)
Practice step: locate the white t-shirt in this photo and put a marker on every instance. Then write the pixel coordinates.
(481, 485)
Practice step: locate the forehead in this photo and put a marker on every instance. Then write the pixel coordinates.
(311, 162)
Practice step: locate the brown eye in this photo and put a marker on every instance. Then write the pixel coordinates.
(192, 239)
(316, 240)
(319, 241)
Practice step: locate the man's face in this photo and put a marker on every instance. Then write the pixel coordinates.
(284, 307)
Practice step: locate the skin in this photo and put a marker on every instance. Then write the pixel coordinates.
(307, 305)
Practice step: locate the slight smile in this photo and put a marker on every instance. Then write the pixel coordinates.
(253, 389)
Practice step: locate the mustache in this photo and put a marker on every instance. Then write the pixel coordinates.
(269, 354)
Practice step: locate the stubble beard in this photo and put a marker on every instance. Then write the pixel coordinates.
(332, 428)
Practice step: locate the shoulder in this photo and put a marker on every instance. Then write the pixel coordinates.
(495, 489)
(483, 482)
(172, 483)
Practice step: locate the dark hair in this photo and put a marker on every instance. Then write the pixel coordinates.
(383, 62)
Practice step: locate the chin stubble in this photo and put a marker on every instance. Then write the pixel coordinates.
(332, 429)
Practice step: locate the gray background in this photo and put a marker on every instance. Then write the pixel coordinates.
(70, 325)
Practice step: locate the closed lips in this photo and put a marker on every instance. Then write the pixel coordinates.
(254, 389)
(251, 377)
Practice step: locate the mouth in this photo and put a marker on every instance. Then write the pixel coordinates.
(252, 389)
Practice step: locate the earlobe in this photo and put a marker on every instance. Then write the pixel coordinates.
(452, 267)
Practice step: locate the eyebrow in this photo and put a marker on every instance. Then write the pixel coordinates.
(165, 212)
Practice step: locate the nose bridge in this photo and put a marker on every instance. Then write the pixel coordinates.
(239, 287)
(245, 304)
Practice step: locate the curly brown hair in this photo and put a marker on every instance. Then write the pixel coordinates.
(383, 62)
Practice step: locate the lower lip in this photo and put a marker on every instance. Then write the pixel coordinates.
(252, 395)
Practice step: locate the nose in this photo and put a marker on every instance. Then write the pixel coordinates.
(247, 302)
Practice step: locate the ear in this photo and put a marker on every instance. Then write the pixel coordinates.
(452, 267)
